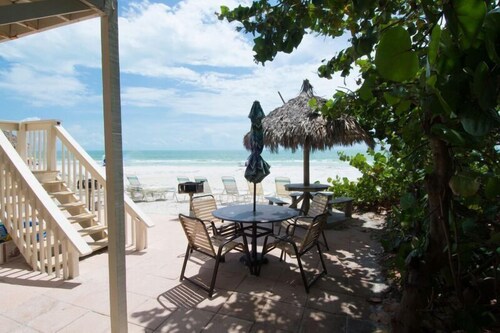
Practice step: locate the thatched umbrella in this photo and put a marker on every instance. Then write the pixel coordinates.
(296, 124)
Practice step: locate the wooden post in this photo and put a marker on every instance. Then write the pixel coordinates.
(51, 147)
(21, 142)
(306, 163)
(114, 168)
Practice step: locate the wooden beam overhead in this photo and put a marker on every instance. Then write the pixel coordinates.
(19, 12)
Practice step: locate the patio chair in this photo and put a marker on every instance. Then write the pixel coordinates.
(213, 246)
(206, 185)
(203, 206)
(298, 246)
(231, 189)
(319, 206)
(139, 192)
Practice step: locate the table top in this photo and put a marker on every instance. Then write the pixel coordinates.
(306, 188)
(262, 214)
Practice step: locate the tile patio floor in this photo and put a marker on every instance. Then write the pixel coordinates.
(157, 302)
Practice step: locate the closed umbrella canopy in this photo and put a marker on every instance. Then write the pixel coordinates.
(296, 125)
(257, 169)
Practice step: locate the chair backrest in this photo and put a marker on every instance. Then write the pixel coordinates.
(197, 234)
(203, 206)
(280, 183)
(206, 185)
(134, 181)
(230, 186)
(319, 205)
(314, 229)
(259, 190)
(182, 179)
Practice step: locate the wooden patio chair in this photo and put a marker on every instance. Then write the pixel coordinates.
(213, 246)
(203, 206)
(318, 206)
(298, 246)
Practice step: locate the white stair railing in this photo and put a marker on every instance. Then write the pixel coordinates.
(50, 147)
(46, 146)
(45, 238)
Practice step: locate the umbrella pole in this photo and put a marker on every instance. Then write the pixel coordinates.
(254, 195)
(306, 164)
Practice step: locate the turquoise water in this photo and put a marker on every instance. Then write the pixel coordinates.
(225, 157)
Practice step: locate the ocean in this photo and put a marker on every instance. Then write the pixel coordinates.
(283, 158)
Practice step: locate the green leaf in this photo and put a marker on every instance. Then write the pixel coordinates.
(470, 15)
(483, 88)
(391, 99)
(492, 188)
(394, 58)
(475, 121)
(492, 34)
(365, 91)
(448, 134)
(434, 45)
(463, 185)
(407, 201)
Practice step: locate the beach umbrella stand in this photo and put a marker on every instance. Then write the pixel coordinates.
(257, 169)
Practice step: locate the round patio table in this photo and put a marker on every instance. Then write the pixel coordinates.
(263, 214)
(306, 193)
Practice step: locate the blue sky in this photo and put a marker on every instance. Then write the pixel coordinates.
(188, 80)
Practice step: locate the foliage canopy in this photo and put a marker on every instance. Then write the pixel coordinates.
(429, 87)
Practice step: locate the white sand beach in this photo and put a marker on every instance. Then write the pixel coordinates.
(167, 175)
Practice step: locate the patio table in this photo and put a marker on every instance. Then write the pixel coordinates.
(306, 195)
(263, 214)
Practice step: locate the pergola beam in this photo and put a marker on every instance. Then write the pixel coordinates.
(20, 12)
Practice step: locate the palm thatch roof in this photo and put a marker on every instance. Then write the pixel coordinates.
(296, 125)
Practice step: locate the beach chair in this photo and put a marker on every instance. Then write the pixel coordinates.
(215, 247)
(281, 191)
(297, 246)
(139, 192)
(231, 189)
(206, 185)
(259, 191)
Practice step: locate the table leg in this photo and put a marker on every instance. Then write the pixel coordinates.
(254, 263)
(305, 202)
(191, 210)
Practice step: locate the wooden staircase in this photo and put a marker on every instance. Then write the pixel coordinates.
(76, 211)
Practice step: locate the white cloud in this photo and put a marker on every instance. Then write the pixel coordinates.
(57, 89)
(179, 64)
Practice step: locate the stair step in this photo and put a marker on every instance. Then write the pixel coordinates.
(52, 182)
(99, 244)
(81, 217)
(61, 193)
(92, 230)
(69, 205)
(44, 175)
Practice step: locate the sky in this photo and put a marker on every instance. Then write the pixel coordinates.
(188, 80)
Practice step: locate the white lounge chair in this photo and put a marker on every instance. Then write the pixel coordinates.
(231, 189)
(206, 185)
(259, 191)
(138, 192)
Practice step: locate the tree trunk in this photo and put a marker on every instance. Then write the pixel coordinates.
(418, 280)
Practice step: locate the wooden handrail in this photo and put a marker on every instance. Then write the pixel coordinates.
(48, 233)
